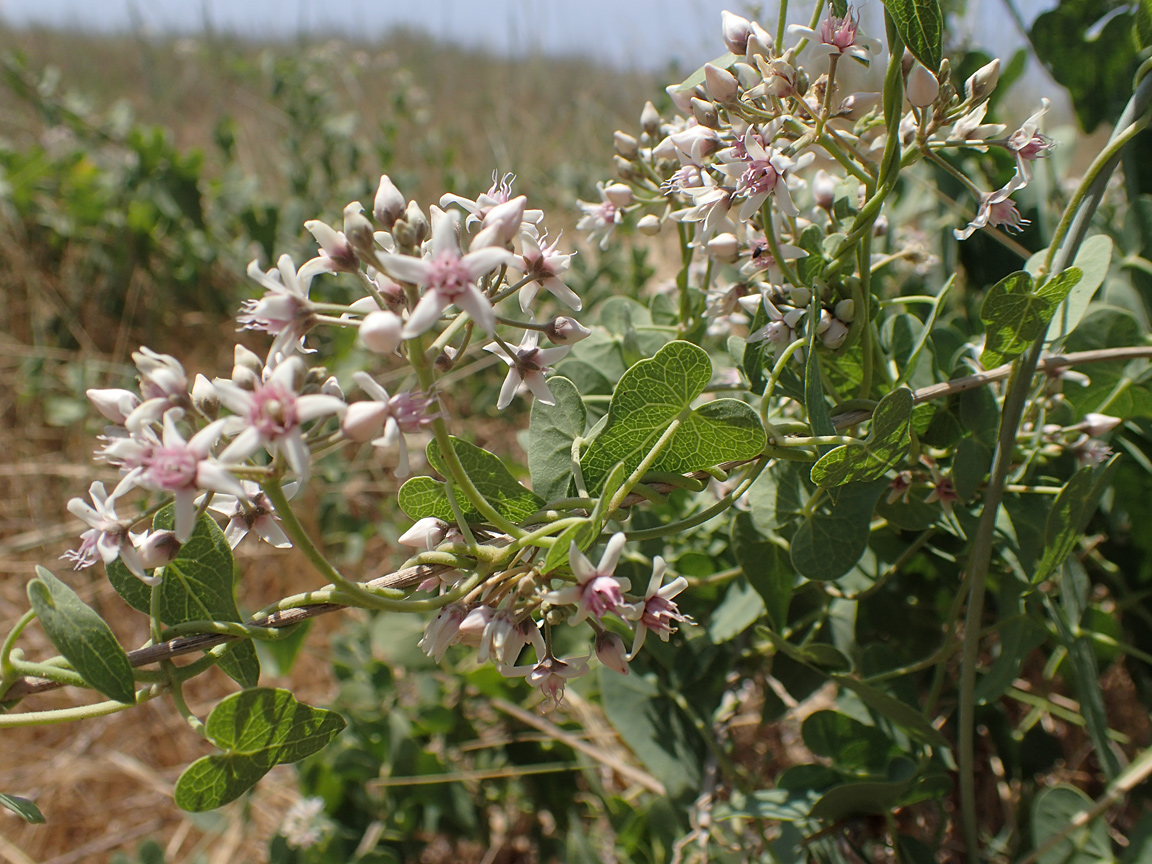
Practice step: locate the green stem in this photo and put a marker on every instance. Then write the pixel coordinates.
(50, 672)
(704, 515)
(774, 244)
(7, 670)
(82, 712)
(228, 628)
(642, 469)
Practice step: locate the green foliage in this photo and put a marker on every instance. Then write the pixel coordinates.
(82, 637)
(23, 808)
(921, 27)
(550, 435)
(1016, 312)
(257, 729)
(886, 444)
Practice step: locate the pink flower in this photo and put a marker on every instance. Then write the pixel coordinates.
(107, 537)
(838, 36)
(499, 193)
(163, 385)
(596, 592)
(656, 612)
(443, 631)
(272, 415)
(402, 413)
(611, 652)
(284, 310)
(253, 513)
(540, 261)
(600, 220)
(528, 365)
(760, 171)
(448, 278)
(1027, 144)
(996, 209)
(551, 675)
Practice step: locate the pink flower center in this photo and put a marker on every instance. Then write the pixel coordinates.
(659, 615)
(448, 276)
(410, 411)
(602, 595)
(273, 411)
(840, 33)
(758, 178)
(1005, 213)
(171, 468)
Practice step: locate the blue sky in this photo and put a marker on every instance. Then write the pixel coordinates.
(625, 33)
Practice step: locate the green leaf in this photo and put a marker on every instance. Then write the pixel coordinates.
(655, 729)
(1016, 315)
(900, 713)
(921, 26)
(814, 403)
(878, 796)
(23, 808)
(831, 538)
(766, 566)
(582, 533)
(908, 367)
(818, 655)
(632, 324)
(850, 744)
(653, 393)
(1052, 812)
(1093, 260)
(741, 607)
(752, 360)
(885, 445)
(551, 430)
(1070, 513)
(420, 497)
(82, 637)
(257, 729)
(724, 61)
(197, 585)
(969, 467)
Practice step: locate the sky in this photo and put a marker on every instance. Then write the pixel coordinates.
(644, 34)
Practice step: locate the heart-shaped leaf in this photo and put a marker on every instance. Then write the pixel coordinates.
(257, 729)
(197, 585)
(82, 637)
(885, 445)
(831, 539)
(653, 393)
(1015, 315)
(921, 26)
(551, 431)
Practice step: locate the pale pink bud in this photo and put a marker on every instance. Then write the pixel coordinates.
(502, 223)
(250, 360)
(618, 194)
(114, 404)
(834, 334)
(626, 145)
(1096, 425)
(205, 398)
(736, 30)
(611, 652)
(566, 331)
(156, 548)
(364, 420)
(358, 230)
(705, 113)
(682, 99)
(388, 206)
(380, 331)
(824, 189)
(983, 81)
(472, 627)
(759, 43)
(724, 248)
(427, 533)
(650, 120)
(923, 88)
(648, 225)
(721, 84)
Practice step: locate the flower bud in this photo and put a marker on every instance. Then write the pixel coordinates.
(880, 226)
(566, 331)
(724, 248)
(648, 225)
(923, 88)
(611, 652)
(247, 368)
(980, 86)
(388, 206)
(156, 548)
(846, 310)
(626, 145)
(682, 99)
(501, 223)
(331, 387)
(800, 295)
(650, 120)
(625, 170)
(427, 533)
(704, 112)
(446, 359)
(721, 84)
(204, 397)
(824, 189)
(114, 404)
(736, 29)
(759, 42)
(380, 331)
(834, 335)
(363, 420)
(618, 194)
(418, 222)
(1096, 425)
(335, 246)
(358, 230)
(472, 627)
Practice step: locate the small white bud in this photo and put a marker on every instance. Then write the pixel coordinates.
(759, 43)
(923, 88)
(156, 548)
(1096, 425)
(205, 398)
(501, 223)
(824, 189)
(721, 84)
(380, 331)
(619, 194)
(331, 387)
(724, 248)
(418, 222)
(833, 337)
(846, 310)
(800, 295)
(626, 145)
(250, 360)
(611, 652)
(566, 331)
(983, 81)
(705, 113)
(388, 206)
(736, 29)
(682, 99)
(114, 404)
(363, 420)
(650, 120)
(648, 225)
(427, 533)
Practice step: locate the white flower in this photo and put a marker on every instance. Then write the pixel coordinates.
(597, 592)
(284, 310)
(599, 220)
(396, 415)
(760, 171)
(163, 385)
(107, 537)
(272, 415)
(996, 209)
(838, 36)
(528, 365)
(252, 513)
(656, 612)
(540, 261)
(447, 277)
